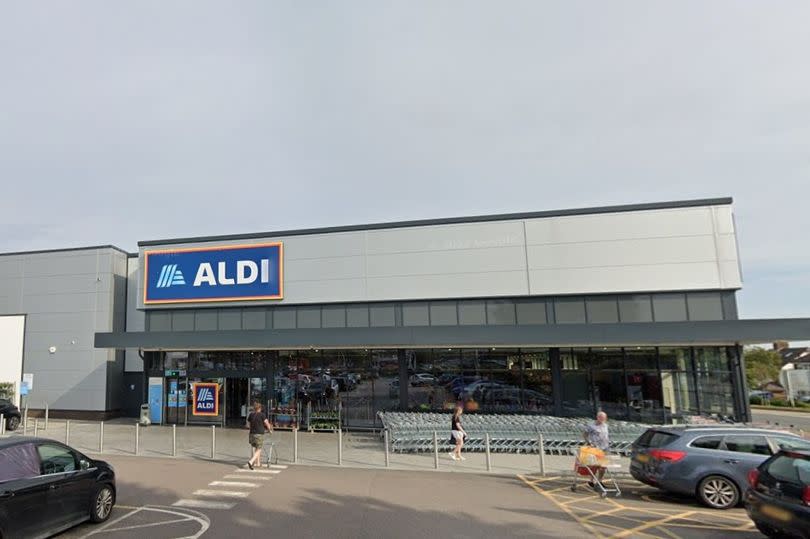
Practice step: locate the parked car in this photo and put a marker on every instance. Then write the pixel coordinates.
(423, 379)
(778, 500)
(709, 462)
(11, 413)
(47, 487)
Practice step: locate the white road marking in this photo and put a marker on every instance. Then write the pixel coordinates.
(278, 466)
(112, 522)
(222, 493)
(203, 504)
(253, 478)
(233, 484)
(199, 518)
(243, 470)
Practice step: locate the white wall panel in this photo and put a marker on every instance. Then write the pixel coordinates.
(638, 251)
(12, 335)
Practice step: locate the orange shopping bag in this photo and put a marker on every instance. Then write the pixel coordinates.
(591, 456)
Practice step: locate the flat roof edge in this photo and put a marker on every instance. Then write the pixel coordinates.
(69, 249)
(454, 220)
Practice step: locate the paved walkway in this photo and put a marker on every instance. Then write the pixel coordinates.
(359, 450)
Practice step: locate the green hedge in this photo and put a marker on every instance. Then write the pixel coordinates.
(6, 390)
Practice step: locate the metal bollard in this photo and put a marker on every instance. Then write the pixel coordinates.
(295, 445)
(435, 451)
(67, 432)
(340, 447)
(25, 416)
(213, 441)
(137, 438)
(385, 440)
(489, 458)
(2, 424)
(541, 447)
(36, 428)
(101, 437)
(47, 413)
(174, 440)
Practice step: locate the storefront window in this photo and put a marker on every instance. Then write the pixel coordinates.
(711, 359)
(678, 388)
(715, 392)
(577, 394)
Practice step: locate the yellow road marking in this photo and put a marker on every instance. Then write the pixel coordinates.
(603, 513)
(652, 524)
(593, 530)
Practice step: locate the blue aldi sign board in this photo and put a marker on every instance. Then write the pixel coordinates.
(206, 399)
(214, 274)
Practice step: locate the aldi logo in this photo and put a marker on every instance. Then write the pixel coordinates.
(206, 399)
(213, 274)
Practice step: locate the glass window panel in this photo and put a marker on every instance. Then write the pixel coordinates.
(536, 359)
(679, 393)
(176, 360)
(415, 314)
(711, 359)
(308, 317)
(531, 312)
(574, 359)
(159, 321)
(607, 358)
(714, 390)
(206, 320)
(56, 459)
(640, 358)
(707, 442)
(635, 308)
(183, 321)
(357, 316)
(284, 318)
(536, 395)
(382, 316)
(675, 359)
(443, 313)
(569, 310)
(602, 310)
(501, 313)
(610, 392)
(334, 316)
(472, 313)
(755, 445)
(705, 306)
(494, 391)
(669, 307)
(447, 359)
(644, 396)
(576, 395)
(229, 319)
(18, 462)
(490, 359)
(254, 319)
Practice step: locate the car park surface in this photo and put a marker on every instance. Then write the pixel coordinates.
(709, 462)
(47, 487)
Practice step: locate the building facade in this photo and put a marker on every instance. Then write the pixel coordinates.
(628, 309)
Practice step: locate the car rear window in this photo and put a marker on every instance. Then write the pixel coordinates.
(656, 438)
(791, 469)
(18, 462)
(790, 442)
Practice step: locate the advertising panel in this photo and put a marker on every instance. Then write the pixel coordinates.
(214, 274)
(206, 399)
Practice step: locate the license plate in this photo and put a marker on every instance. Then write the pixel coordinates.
(643, 458)
(776, 513)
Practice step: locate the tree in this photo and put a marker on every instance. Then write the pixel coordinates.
(761, 366)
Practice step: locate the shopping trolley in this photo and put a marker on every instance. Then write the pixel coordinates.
(592, 462)
(269, 453)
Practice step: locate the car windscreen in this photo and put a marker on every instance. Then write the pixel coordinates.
(653, 439)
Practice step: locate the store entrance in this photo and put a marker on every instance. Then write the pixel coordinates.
(237, 401)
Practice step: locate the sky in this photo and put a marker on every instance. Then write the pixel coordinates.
(127, 121)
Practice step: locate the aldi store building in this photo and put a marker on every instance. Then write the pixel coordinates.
(627, 309)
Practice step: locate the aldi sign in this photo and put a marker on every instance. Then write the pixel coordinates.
(213, 274)
(206, 399)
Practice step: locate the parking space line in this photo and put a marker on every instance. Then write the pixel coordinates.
(603, 513)
(652, 524)
(113, 522)
(573, 515)
(153, 524)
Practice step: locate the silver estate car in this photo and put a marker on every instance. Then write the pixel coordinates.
(710, 462)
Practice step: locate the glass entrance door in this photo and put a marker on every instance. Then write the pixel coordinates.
(176, 400)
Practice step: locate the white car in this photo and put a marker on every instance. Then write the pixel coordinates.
(423, 379)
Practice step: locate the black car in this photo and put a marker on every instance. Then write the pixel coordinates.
(778, 500)
(46, 487)
(11, 414)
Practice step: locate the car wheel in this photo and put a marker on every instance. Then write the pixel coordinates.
(12, 423)
(718, 492)
(103, 502)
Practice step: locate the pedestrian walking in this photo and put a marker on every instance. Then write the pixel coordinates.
(458, 434)
(258, 424)
(596, 435)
